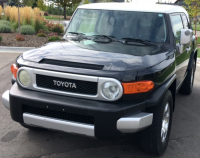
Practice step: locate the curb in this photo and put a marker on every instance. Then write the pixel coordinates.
(15, 49)
(198, 62)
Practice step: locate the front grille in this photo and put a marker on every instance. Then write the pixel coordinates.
(82, 87)
(72, 64)
(59, 114)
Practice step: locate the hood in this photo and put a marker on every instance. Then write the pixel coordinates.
(68, 51)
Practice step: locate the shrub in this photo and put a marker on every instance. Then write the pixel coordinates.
(53, 34)
(0, 38)
(46, 14)
(5, 22)
(1, 10)
(49, 25)
(46, 29)
(27, 30)
(53, 38)
(41, 31)
(58, 29)
(14, 25)
(45, 22)
(5, 28)
(26, 15)
(41, 35)
(11, 13)
(19, 37)
(38, 25)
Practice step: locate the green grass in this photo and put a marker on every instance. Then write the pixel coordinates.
(198, 27)
(52, 18)
(198, 55)
(198, 41)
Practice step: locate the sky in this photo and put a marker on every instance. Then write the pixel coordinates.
(152, 1)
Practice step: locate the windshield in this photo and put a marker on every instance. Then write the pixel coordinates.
(120, 24)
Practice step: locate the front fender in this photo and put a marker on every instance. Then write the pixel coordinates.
(155, 98)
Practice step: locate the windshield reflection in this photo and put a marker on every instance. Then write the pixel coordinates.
(119, 24)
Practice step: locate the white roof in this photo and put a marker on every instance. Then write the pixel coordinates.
(155, 8)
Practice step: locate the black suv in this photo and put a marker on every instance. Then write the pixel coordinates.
(116, 72)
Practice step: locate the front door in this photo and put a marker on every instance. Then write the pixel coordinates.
(182, 59)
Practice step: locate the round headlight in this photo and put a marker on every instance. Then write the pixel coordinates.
(24, 78)
(110, 90)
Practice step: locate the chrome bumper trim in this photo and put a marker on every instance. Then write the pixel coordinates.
(5, 99)
(134, 123)
(56, 124)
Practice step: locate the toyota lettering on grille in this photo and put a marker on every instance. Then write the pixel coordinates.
(64, 84)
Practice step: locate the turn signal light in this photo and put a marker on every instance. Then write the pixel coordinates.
(196, 38)
(14, 70)
(137, 87)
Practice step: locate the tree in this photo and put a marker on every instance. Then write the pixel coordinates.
(193, 8)
(86, 2)
(41, 5)
(28, 2)
(12, 3)
(35, 4)
(66, 3)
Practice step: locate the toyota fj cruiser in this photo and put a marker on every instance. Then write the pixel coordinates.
(116, 72)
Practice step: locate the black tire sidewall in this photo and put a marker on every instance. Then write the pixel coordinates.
(186, 87)
(149, 139)
(193, 69)
(168, 98)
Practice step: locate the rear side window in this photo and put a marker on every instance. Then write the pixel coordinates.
(177, 25)
(185, 22)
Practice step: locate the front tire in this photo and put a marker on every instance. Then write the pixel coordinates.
(187, 86)
(155, 138)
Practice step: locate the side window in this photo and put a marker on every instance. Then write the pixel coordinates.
(177, 25)
(185, 22)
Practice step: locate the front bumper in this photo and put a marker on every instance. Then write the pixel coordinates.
(111, 120)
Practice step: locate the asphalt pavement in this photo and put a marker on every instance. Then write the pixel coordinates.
(18, 142)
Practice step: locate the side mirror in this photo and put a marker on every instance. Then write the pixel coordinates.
(65, 24)
(186, 36)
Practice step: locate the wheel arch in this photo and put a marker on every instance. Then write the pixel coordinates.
(155, 98)
(172, 88)
(193, 58)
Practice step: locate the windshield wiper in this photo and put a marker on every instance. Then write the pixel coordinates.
(79, 37)
(111, 38)
(77, 33)
(146, 42)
